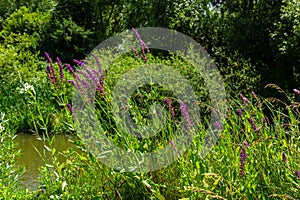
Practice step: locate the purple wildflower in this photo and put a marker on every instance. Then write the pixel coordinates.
(61, 73)
(264, 120)
(244, 99)
(70, 108)
(101, 80)
(48, 57)
(218, 125)
(171, 108)
(71, 81)
(143, 53)
(137, 35)
(253, 124)
(70, 68)
(50, 70)
(100, 85)
(99, 88)
(239, 112)
(83, 73)
(135, 52)
(246, 143)
(186, 115)
(92, 74)
(49, 74)
(142, 44)
(172, 144)
(297, 173)
(145, 46)
(243, 157)
(296, 91)
(254, 95)
(78, 62)
(98, 63)
(81, 81)
(284, 157)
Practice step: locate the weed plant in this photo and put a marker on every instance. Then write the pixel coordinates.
(256, 156)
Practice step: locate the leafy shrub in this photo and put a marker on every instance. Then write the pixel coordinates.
(20, 38)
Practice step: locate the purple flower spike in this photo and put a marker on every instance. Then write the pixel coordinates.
(246, 143)
(135, 52)
(296, 91)
(218, 125)
(145, 46)
(100, 88)
(253, 124)
(70, 108)
(243, 157)
(77, 62)
(98, 63)
(239, 112)
(171, 108)
(84, 74)
(284, 157)
(186, 115)
(137, 35)
(81, 82)
(61, 73)
(297, 173)
(70, 68)
(48, 57)
(244, 99)
(142, 44)
(144, 55)
(73, 83)
(48, 70)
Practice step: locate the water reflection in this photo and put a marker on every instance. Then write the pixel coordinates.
(32, 161)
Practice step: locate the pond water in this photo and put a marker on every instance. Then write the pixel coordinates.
(32, 161)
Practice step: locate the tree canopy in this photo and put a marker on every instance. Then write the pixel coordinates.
(263, 34)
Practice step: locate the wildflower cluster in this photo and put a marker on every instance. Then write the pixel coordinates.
(142, 44)
(85, 79)
(240, 112)
(52, 77)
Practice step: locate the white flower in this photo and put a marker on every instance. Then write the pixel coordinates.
(1, 128)
(27, 87)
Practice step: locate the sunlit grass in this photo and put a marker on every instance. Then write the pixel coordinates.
(256, 156)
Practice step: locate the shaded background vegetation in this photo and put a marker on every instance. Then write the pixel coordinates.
(253, 43)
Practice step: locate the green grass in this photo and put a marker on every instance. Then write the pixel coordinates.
(266, 174)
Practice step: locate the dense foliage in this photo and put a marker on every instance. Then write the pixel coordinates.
(253, 43)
